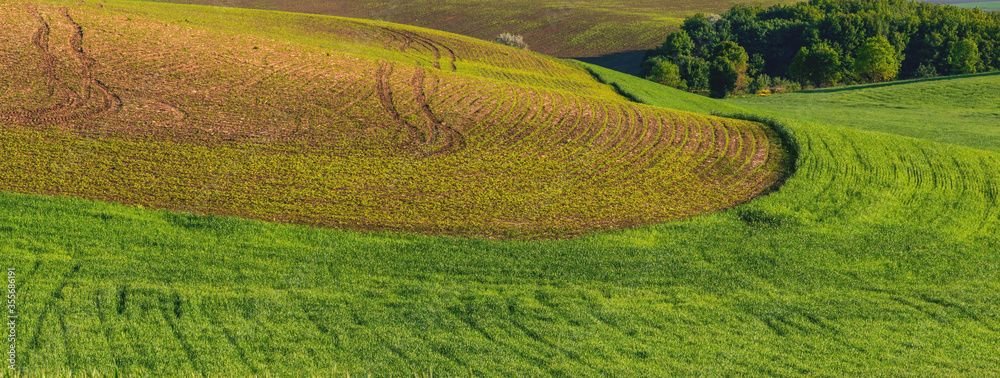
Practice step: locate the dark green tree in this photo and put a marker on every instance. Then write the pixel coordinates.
(819, 66)
(722, 77)
(736, 55)
(695, 72)
(756, 65)
(699, 29)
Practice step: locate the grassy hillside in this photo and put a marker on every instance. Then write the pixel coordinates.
(348, 123)
(652, 93)
(576, 28)
(961, 110)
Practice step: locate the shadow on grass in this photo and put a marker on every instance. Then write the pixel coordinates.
(900, 82)
(625, 62)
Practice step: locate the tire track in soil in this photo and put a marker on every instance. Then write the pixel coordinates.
(453, 139)
(384, 90)
(109, 101)
(437, 52)
(437, 132)
(75, 105)
(409, 38)
(49, 65)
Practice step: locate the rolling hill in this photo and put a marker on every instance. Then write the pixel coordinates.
(349, 123)
(876, 257)
(579, 28)
(960, 110)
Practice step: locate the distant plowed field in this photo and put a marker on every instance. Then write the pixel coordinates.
(577, 28)
(349, 124)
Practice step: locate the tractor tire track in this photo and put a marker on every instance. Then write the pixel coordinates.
(435, 47)
(169, 309)
(213, 319)
(440, 131)
(384, 90)
(49, 66)
(106, 328)
(110, 102)
(436, 132)
(72, 104)
(437, 52)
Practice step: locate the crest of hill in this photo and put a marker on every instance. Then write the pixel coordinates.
(348, 123)
(581, 28)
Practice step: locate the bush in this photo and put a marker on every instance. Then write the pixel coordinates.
(759, 83)
(925, 71)
(665, 72)
(783, 85)
(511, 40)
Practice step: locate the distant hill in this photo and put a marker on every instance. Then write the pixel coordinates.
(579, 28)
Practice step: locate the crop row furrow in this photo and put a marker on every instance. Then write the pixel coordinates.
(541, 142)
(628, 143)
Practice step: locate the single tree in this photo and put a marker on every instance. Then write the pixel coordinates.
(964, 57)
(722, 77)
(737, 56)
(876, 60)
(732, 52)
(756, 65)
(699, 29)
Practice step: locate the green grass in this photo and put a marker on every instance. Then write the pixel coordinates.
(961, 110)
(878, 257)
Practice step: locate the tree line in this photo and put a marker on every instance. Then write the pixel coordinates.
(824, 43)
